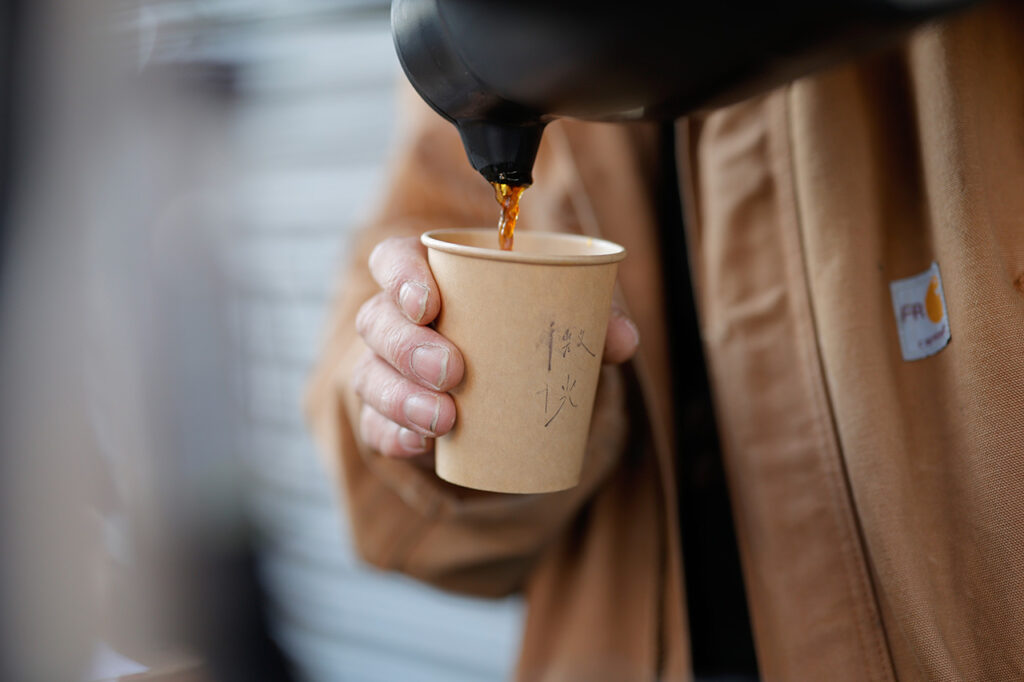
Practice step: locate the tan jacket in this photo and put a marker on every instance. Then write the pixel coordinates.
(879, 502)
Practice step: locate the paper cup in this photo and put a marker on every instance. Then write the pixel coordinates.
(531, 325)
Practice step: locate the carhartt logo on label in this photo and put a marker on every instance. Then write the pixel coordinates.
(921, 318)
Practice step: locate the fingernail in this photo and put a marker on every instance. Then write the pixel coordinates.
(411, 441)
(423, 410)
(413, 299)
(430, 363)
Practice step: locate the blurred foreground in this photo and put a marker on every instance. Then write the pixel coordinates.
(178, 181)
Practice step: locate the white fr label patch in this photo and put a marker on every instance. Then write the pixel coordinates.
(921, 318)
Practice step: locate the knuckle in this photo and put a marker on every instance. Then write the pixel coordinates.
(390, 397)
(380, 251)
(396, 345)
(363, 373)
(366, 425)
(393, 260)
(393, 275)
(363, 318)
(386, 260)
(368, 313)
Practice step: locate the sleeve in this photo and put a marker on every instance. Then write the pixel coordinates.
(403, 517)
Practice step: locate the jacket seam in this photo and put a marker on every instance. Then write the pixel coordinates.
(828, 433)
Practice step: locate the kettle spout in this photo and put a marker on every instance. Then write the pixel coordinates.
(502, 152)
(500, 137)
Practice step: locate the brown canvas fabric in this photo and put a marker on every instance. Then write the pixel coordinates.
(934, 449)
(879, 503)
(811, 601)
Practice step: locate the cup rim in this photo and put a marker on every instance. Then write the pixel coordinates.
(434, 239)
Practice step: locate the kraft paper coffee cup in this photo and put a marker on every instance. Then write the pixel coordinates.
(531, 325)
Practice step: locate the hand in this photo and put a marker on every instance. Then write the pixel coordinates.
(404, 377)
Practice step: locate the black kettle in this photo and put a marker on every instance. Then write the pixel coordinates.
(501, 70)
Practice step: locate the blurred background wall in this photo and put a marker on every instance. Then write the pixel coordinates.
(187, 176)
(314, 121)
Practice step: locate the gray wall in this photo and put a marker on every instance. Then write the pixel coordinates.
(313, 126)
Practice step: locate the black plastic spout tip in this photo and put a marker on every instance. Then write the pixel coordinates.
(508, 174)
(502, 152)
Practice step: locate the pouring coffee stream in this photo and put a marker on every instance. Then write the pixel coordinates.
(508, 197)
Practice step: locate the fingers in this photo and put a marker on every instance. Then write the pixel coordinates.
(622, 338)
(388, 438)
(400, 400)
(419, 353)
(399, 265)
(403, 376)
